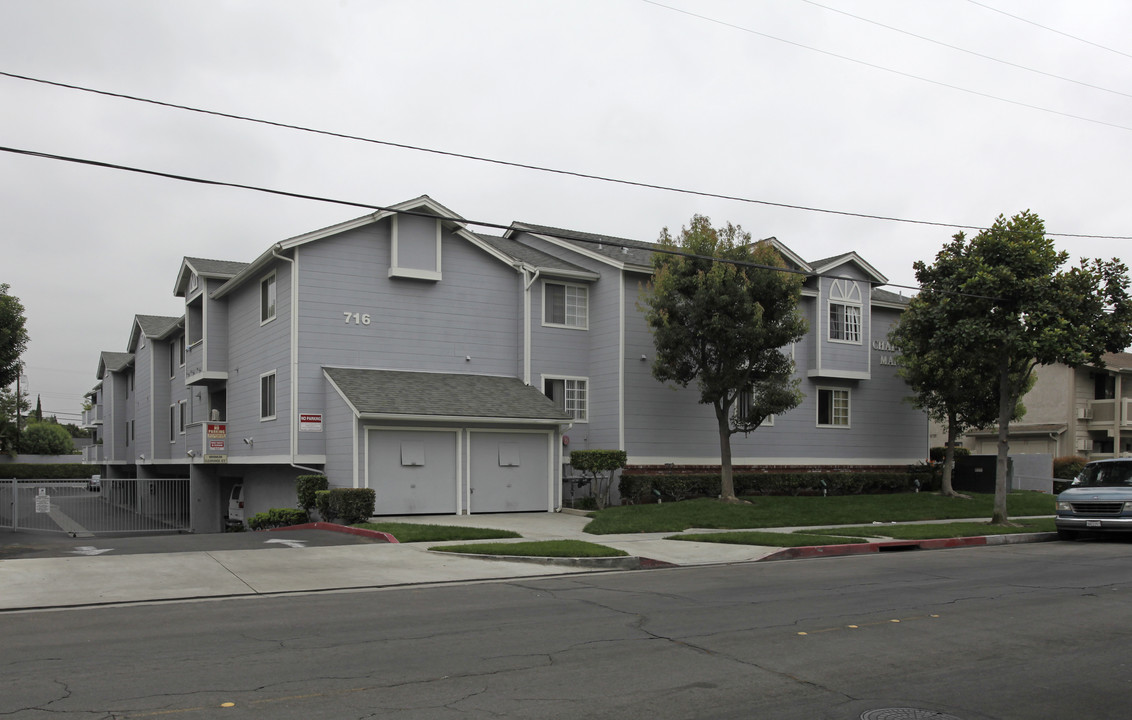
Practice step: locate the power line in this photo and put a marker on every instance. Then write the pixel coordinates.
(597, 240)
(969, 52)
(887, 69)
(464, 156)
(1052, 30)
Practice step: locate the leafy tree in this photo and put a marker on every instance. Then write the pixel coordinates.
(10, 405)
(1015, 308)
(953, 385)
(13, 336)
(598, 467)
(720, 315)
(44, 438)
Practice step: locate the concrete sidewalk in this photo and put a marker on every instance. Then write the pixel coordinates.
(197, 567)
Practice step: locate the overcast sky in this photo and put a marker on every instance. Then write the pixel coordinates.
(784, 101)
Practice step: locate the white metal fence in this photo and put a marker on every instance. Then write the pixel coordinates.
(83, 508)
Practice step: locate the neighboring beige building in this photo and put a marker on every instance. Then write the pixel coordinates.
(1083, 411)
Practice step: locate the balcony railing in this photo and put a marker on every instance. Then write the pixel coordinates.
(93, 454)
(92, 417)
(1101, 411)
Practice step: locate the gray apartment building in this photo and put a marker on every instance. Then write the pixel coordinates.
(454, 372)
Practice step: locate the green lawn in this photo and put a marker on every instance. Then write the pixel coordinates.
(414, 532)
(800, 511)
(540, 548)
(768, 539)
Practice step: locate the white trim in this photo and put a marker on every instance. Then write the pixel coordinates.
(413, 274)
(395, 269)
(840, 374)
(456, 434)
(564, 325)
(621, 360)
(763, 460)
(542, 388)
(275, 392)
(275, 307)
(848, 409)
(550, 475)
(462, 419)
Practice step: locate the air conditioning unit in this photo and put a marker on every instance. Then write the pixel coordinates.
(1084, 444)
(1084, 413)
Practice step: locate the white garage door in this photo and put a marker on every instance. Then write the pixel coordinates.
(510, 472)
(412, 471)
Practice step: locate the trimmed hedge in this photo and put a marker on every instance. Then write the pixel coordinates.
(277, 517)
(46, 471)
(306, 486)
(938, 453)
(1068, 467)
(639, 488)
(350, 505)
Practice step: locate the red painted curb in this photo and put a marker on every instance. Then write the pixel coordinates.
(810, 551)
(335, 527)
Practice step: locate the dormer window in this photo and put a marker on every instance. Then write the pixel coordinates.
(194, 282)
(845, 312)
(415, 244)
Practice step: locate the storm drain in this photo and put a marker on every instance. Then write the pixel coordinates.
(905, 714)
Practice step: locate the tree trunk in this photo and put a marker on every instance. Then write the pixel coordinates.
(726, 476)
(949, 457)
(1005, 410)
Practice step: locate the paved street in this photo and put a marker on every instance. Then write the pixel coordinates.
(1021, 631)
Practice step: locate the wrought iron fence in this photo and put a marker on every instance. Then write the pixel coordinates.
(84, 508)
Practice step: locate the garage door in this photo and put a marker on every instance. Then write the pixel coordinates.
(510, 472)
(412, 471)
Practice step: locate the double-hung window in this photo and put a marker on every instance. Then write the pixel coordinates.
(267, 396)
(565, 305)
(833, 407)
(570, 394)
(181, 423)
(844, 322)
(172, 423)
(267, 299)
(743, 408)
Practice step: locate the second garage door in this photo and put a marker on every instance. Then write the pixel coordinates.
(510, 472)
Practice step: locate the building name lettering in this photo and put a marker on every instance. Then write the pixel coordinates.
(883, 345)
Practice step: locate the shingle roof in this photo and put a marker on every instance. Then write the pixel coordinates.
(632, 252)
(1118, 361)
(116, 361)
(889, 297)
(215, 268)
(529, 255)
(397, 392)
(156, 326)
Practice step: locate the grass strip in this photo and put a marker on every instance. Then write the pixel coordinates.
(414, 532)
(539, 548)
(768, 539)
(778, 511)
(933, 531)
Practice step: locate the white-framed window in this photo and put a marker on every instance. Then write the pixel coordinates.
(742, 409)
(183, 412)
(173, 423)
(570, 393)
(565, 305)
(267, 298)
(173, 357)
(194, 282)
(833, 407)
(181, 350)
(267, 396)
(845, 311)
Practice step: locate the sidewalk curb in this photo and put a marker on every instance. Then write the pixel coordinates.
(812, 551)
(601, 563)
(335, 527)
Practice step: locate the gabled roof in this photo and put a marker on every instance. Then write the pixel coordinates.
(619, 252)
(204, 268)
(435, 396)
(113, 362)
(155, 327)
(826, 265)
(792, 259)
(889, 299)
(535, 259)
(1118, 361)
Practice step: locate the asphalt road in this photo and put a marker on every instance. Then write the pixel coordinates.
(1022, 631)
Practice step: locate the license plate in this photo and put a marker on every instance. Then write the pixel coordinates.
(1092, 523)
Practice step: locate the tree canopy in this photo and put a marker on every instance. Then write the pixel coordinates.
(13, 336)
(1004, 300)
(721, 314)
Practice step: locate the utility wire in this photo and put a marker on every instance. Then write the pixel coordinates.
(464, 156)
(969, 52)
(1052, 30)
(888, 69)
(548, 232)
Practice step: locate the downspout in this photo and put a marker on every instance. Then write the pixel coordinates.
(293, 425)
(527, 323)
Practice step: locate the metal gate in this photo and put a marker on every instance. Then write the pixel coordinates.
(83, 508)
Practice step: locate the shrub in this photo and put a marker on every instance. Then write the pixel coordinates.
(277, 517)
(306, 486)
(644, 488)
(938, 453)
(47, 471)
(598, 466)
(350, 505)
(46, 439)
